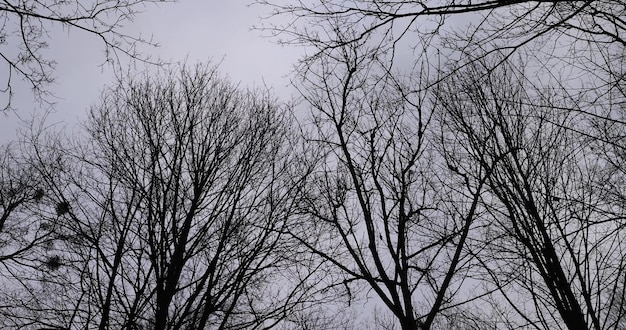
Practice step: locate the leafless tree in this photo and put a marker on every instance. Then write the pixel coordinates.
(552, 242)
(171, 211)
(374, 208)
(26, 235)
(24, 35)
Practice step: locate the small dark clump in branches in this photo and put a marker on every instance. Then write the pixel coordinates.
(53, 262)
(62, 208)
(38, 195)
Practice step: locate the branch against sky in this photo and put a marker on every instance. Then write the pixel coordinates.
(315, 22)
(587, 35)
(26, 25)
(170, 212)
(552, 246)
(22, 196)
(375, 207)
(359, 114)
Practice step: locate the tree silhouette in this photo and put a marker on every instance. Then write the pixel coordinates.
(552, 231)
(171, 211)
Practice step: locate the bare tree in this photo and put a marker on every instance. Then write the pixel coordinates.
(496, 132)
(374, 209)
(553, 233)
(531, 135)
(171, 211)
(24, 36)
(26, 235)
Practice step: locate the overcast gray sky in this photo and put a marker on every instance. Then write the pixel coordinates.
(198, 30)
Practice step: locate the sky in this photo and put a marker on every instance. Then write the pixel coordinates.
(191, 30)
